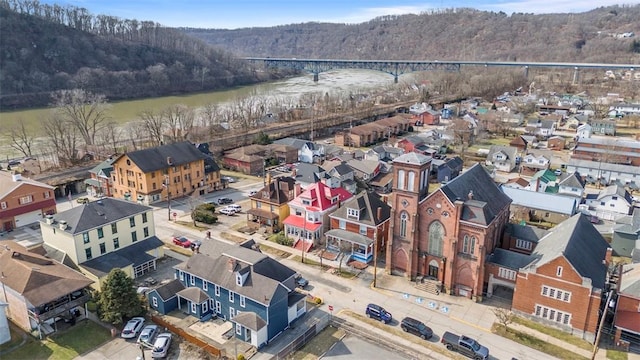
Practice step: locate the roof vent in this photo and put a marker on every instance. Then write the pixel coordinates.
(169, 160)
(63, 225)
(470, 195)
(16, 177)
(48, 219)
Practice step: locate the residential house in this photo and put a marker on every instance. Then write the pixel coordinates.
(503, 158)
(626, 235)
(23, 201)
(518, 183)
(538, 206)
(556, 143)
(410, 143)
(365, 170)
(626, 108)
(611, 203)
(426, 117)
(309, 214)
(584, 131)
(531, 163)
(541, 128)
(544, 181)
(283, 154)
(571, 184)
(519, 143)
(382, 183)
(604, 127)
(152, 175)
(164, 298)
(383, 153)
(246, 163)
(373, 132)
(361, 225)
(627, 314)
(105, 234)
(522, 238)
(307, 151)
(308, 174)
(446, 169)
(613, 151)
(100, 184)
(212, 179)
(39, 290)
(250, 289)
(605, 172)
(344, 177)
(269, 206)
(562, 284)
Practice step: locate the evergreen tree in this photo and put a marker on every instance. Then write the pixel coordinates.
(118, 299)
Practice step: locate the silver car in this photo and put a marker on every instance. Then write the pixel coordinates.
(148, 334)
(161, 345)
(132, 328)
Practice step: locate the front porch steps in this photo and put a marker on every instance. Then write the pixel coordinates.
(429, 285)
(307, 244)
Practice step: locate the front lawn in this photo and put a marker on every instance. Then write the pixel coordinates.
(535, 343)
(80, 338)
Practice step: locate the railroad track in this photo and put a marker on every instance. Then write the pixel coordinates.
(355, 330)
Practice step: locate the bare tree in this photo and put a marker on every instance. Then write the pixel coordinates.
(154, 125)
(504, 316)
(63, 137)
(85, 111)
(21, 139)
(179, 119)
(110, 137)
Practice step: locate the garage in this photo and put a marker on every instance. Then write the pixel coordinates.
(28, 218)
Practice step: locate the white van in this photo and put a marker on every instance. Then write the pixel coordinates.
(237, 208)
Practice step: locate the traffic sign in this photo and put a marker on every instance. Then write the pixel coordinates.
(330, 307)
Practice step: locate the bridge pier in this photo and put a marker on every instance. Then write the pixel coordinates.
(576, 75)
(526, 72)
(315, 77)
(395, 78)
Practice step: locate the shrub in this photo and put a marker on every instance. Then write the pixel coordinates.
(282, 239)
(92, 306)
(204, 216)
(318, 300)
(206, 207)
(241, 357)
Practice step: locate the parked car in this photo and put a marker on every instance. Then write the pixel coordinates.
(416, 327)
(465, 346)
(253, 192)
(237, 208)
(182, 241)
(82, 200)
(558, 172)
(301, 282)
(378, 312)
(132, 328)
(227, 211)
(228, 179)
(594, 219)
(148, 335)
(161, 346)
(225, 200)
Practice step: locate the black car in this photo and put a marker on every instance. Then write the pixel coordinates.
(224, 200)
(416, 327)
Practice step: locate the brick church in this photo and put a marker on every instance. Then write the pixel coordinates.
(446, 235)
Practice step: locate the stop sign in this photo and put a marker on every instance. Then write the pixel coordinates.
(330, 307)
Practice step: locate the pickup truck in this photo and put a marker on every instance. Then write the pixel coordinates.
(465, 346)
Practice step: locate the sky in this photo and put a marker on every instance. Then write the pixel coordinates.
(233, 14)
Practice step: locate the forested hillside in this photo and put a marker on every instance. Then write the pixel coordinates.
(48, 47)
(454, 34)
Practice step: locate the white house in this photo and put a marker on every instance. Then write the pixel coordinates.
(537, 162)
(308, 152)
(503, 158)
(612, 203)
(571, 185)
(584, 131)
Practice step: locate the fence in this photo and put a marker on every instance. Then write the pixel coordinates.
(188, 337)
(303, 339)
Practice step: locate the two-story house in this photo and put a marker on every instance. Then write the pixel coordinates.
(384, 153)
(626, 235)
(270, 205)
(308, 174)
(603, 127)
(105, 234)
(571, 184)
(541, 128)
(361, 226)
(38, 289)
(543, 181)
(309, 218)
(563, 282)
(611, 203)
(584, 131)
(627, 311)
(100, 183)
(503, 158)
(152, 175)
(365, 170)
(253, 291)
(444, 170)
(308, 152)
(23, 201)
(531, 163)
(343, 176)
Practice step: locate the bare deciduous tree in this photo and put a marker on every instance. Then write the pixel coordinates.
(504, 316)
(21, 139)
(64, 138)
(154, 125)
(85, 111)
(179, 119)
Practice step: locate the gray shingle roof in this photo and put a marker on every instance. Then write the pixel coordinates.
(509, 259)
(412, 158)
(134, 255)
(630, 280)
(526, 232)
(476, 180)
(97, 213)
(616, 190)
(194, 294)
(170, 289)
(153, 159)
(250, 320)
(308, 173)
(573, 180)
(368, 204)
(580, 243)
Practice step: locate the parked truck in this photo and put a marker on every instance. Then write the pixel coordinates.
(465, 346)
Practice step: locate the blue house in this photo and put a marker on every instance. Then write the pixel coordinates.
(241, 285)
(164, 298)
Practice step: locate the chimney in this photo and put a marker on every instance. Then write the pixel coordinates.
(16, 177)
(470, 196)
(379, 212)
(607, 257)
(294, 173)
(231, 265)
(268, 177)
(298, 190)
(48, 219)
(63, 225)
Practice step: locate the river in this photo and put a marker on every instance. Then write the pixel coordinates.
(332, 82)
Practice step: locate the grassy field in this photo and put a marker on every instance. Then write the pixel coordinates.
(79, 339)
(535, 343)
(558, 334)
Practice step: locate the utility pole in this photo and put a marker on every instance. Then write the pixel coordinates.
(166, 185)
(599, 333)
(375, 256)
(304, 234)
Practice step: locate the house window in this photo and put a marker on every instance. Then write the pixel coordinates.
(552, 314)
(46, 194)
(559, 271)
(238, 329)
(363, 230)
(100, 233)
(401, 180)
(87, 253)
(218, 307)
(231, 296)
(204, 307)
(353, 213)
(3, 205)
(342, 224)
(144, 218)
(192, 280)
(146, 232)
(523, 244)
(242, 300)
(114, 228)
(238, 279)
(116, 243)
(103, 249)
(194, 307)
(403, 224)
(205, 285)
(132, 221)
(25, 199)
(134, 236)
(232, 313)
(154, 301)
(216, 290)
(506, 273)
(85, 237)
(181, 274)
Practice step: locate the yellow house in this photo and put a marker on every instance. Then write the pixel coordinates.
(144, 175)
(270, 205)
(105, 234)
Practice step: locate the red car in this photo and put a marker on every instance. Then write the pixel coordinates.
(182, 241)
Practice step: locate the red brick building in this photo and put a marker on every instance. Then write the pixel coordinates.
(613, 151)
(23, 201)
(627, 315)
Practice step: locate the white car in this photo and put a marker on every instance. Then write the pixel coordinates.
(132, 328)
(161, 346)
(253, 192)
(227, 211)
(237, 208)
(148, 334)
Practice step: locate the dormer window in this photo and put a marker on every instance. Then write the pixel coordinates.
(353, 213)
(238, 279)
(306, 202)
